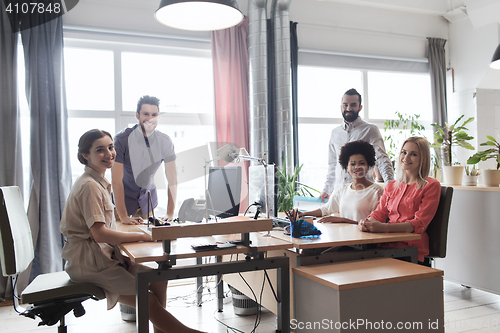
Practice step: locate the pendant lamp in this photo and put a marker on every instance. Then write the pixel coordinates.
(199, 15)
(495, 61)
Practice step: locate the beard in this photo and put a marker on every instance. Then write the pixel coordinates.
(350, 116)
(148, 127)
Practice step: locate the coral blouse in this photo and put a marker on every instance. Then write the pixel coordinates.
(406, 203)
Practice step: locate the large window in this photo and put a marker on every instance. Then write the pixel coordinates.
(320, 89)
(104, 81)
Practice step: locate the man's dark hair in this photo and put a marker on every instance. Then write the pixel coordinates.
(353, 92)
(354, 148)
(146, 99)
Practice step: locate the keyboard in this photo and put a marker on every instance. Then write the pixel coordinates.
(204, 247)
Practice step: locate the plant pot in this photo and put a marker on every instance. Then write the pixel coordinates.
(452, 175)
(491, 178)
(470, 180)
(437, 175)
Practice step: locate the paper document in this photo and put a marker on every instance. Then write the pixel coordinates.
(307, 203)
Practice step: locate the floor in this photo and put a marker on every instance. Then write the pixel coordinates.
(466, 310)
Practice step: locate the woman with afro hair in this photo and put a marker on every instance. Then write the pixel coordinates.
(350, 203)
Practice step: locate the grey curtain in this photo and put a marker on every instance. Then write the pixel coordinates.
(50, 166)
(11, 170)
(437, 69)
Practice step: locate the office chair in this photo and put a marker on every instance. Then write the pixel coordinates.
(438, 228)
(51, 296)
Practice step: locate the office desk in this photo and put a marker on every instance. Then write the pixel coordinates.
(181, 248)
(340, 234)
(333, 234)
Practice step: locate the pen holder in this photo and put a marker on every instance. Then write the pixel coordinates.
(303, 229)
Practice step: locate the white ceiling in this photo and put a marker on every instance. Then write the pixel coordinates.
(436, 7)
(482, 11)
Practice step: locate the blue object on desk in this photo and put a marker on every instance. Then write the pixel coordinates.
(304, 229)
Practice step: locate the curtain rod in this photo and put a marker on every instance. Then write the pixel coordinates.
(373, 32)
(125, 33)
(359, 55)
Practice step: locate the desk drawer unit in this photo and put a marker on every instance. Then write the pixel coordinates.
(370, 295)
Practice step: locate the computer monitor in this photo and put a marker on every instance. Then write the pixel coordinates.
(224, 189)
(256, 188)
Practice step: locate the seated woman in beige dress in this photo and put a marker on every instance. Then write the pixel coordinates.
(88, 223)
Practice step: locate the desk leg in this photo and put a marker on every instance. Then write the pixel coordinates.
(199, 283)
(142, 303)
(283, 286)
(220, 289)
(144, 278)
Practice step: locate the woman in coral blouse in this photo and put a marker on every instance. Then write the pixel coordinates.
(410, 201)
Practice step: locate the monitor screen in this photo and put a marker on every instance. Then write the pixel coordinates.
(224, 190)
(256, 188)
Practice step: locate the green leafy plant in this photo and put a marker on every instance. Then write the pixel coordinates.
(472, 171)
(449, 135)
(493, 153)
(435, 164)
(404, 123)
(289, 186)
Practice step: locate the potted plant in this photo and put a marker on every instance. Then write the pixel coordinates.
(490, 177)
(289, 186)
(403, 123)
(445, 139)
(471, 175)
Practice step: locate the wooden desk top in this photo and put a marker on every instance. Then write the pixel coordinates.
(181, 248)
(366, 273)
(230, 225)
(340, 234)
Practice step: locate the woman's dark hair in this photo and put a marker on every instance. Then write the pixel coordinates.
(354, 148)
(87, 140)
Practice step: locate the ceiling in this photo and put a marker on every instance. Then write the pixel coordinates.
(481, 12)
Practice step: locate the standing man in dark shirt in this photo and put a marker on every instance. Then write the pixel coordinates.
(140, 150)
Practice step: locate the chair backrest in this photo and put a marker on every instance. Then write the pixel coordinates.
(438, 228)
(16, 242)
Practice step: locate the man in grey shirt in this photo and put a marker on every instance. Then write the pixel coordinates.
(353, 128)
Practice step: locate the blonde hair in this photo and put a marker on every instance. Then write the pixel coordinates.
(425, 161)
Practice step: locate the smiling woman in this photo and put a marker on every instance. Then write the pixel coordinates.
(100, 156)
(352, 202)
(89, 226)
(410, 201)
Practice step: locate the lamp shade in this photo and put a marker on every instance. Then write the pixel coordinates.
(198, 15)
(228, 153)
(495, 61)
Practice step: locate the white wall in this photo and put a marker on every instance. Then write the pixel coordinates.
(348, 28)
(476, 85)
(132, 16)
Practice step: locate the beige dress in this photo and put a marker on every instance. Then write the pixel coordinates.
(87, 260)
